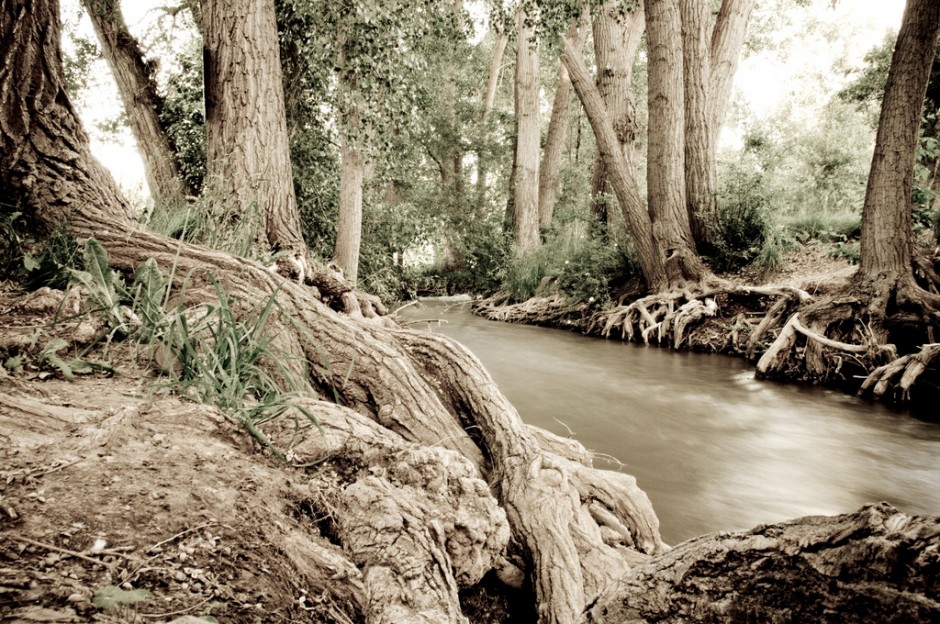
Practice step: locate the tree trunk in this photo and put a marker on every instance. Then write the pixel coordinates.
(887, 237)
(617, 37)
(492, 81)
(525, 216)
(138, 88)
(666, 161)
(248, 161)
(622, 180)
(702, 204)
(727, 41)
(349, 225)
(555, 137)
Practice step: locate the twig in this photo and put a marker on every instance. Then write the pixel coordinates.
(179, 535)
(180, 612)
(64, 551)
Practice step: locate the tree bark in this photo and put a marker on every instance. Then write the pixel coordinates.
(666, 160)
(525, 183)
(875, 565)
(349, 225)
(700, 180)
(617, 37)
(726, 43)
(622, 180)
(248, 160)
(137, 85)
(887, 236)
(555, 137)
(492, 81)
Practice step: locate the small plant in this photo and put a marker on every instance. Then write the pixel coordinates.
(52, 262)
(213, 355)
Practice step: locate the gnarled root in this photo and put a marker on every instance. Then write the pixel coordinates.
(548, 498)
(900, 375)
(418, 521)
(550, 310)
(876, 564)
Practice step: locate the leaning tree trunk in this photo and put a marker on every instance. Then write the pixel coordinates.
(621, 178)
(617, 37)
(555, 137)
(815, 569)
(248, 159)
(136, 82)
(887, 241)
(666, 162)
(700, 181)
(726, 43)
(489, 97)
(525, 175)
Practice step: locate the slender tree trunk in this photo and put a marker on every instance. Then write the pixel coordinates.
(666, 160)
(492, 81)
(617, 37)
(621, 178)
(555, 137)
(525, 221)
(248, 160)
(727, 40)
(349, 226)
(887, 236)
(702, 204)
(138, 88)
(489, 97)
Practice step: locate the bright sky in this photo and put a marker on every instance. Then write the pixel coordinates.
(765, 80)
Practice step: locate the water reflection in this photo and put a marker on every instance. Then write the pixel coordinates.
(712, 447)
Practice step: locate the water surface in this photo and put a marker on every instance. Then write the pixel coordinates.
(712, 447)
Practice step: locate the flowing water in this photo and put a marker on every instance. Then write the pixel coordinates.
(712, 447)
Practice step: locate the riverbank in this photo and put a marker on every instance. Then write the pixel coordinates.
(741, 315)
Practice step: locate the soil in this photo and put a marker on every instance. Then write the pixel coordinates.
(107, 482)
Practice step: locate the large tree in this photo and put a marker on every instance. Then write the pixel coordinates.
(248, 159)
(666, 151)
(617, 37)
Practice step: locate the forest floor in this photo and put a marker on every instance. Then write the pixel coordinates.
(119, 503)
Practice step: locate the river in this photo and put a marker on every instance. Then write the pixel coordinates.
(712, 447)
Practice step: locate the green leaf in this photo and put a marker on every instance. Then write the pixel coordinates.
(96, 263)
(30, 263)
(111, 596)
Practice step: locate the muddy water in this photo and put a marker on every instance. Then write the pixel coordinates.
(713, 448)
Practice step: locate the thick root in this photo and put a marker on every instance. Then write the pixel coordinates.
(554, 310)
(547, 497)
(899, 376)
(876, 564)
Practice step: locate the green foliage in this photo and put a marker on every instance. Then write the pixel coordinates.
(111, 596)
(104, 287)
(52, 260)
(216, 355)
(183, 116)
(582, 268)
(744, 221)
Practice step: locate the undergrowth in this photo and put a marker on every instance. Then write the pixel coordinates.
(219, 353)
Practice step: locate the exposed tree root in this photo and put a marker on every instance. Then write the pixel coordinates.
(899, 375)
(554, 310)
(876, 564)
